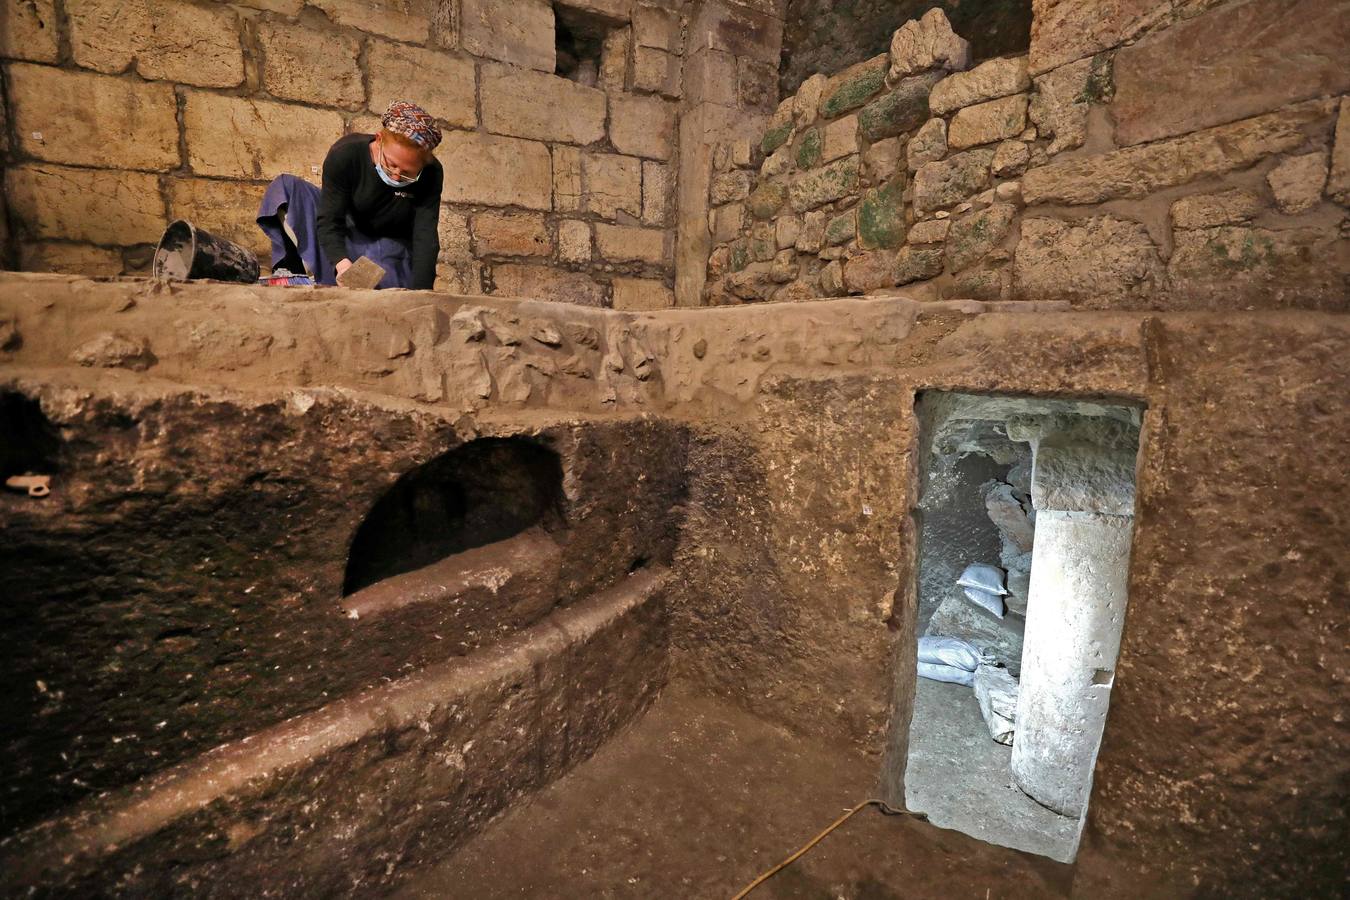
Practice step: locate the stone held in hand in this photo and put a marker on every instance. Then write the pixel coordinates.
(362, 275)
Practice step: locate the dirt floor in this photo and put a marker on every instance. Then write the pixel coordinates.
(698, 798)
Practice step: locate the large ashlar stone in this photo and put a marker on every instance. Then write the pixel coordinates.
(568, 192)
(168, 40)
(86, 119)
(227, 209)
(614, 60)
(510, 234)
(1338, 182)
(853, 87)
(628, 243)
(235, 137)
(542, 282)
(72, 259)
(312, 66)
(655, 27)
(1138, 171)
(541, 106)
(987, 81)
(1059, 105)
(929, 144)
(29, 31)
(927, 43)
(495, 171)
(97, 206)
(973, 236)
(656, 71)
(988, 122)
(657, 189)
(710, 77)
(520, 32)
(1097, 261)
(946, 183)
(901, 109)
(452, 229)
(1241, 266)
(1297, 182)
(824, 185)
(613, 184)
(402, 20)
(1254, 57)
(642, 293)
(574, 241)
(442, 84)
(756, 84)
(1206, 210)
(642, 126)
(1064, 31)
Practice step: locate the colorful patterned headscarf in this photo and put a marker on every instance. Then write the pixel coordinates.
(413, 122)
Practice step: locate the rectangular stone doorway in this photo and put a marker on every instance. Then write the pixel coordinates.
(1038, 496)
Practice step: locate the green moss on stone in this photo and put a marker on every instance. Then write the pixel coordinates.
(842, 228)
(740, 255)
(810, 149)
(903, 109)
(1100, 86)
(854, 92)
(776, 137)
(881, 217)
(833, 182)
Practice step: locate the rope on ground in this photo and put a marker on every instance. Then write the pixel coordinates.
(880, 804)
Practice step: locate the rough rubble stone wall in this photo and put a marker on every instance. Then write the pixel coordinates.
(1166, 160)
(120, 116)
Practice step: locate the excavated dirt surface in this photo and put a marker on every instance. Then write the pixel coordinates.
(697, 799)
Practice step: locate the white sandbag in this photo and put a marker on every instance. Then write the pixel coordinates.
(986, 600)
(996, 692)
(949, 651)
(939, 672)
(983, 577)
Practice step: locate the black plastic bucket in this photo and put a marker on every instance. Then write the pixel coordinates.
(186, 252)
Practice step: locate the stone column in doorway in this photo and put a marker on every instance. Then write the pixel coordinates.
(1083, 489)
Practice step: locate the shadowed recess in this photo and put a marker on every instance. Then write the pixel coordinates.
(477, 494)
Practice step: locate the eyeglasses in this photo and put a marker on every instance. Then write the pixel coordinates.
(397, 176)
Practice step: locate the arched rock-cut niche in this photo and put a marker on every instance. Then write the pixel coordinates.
(485, 491)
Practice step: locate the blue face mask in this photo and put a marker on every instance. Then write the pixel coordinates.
(390, 180)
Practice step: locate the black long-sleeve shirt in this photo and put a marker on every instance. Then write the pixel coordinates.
(352, 187)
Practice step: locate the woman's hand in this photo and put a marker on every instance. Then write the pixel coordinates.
(343, 265)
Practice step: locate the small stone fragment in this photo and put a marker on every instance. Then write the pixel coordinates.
(917, 263)
(832, 279)
(928, 145)
(1297, 182)
(1009, 192)
(1206, 210)
(111, 350)
(930, 231)
(1011, 158)
(767, 199)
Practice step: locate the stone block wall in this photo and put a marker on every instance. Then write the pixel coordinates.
(1163, 158)
(120, 116)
